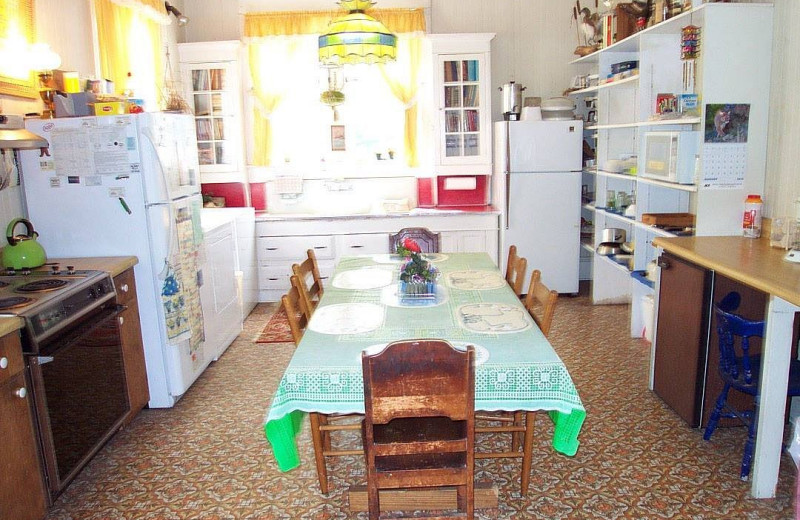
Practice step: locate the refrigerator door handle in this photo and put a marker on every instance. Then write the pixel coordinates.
(148, 134)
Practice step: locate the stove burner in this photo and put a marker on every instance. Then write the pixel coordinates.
(14, 302)
(3, 284)
(47, 284)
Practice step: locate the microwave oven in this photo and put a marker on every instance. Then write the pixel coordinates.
(671, 156)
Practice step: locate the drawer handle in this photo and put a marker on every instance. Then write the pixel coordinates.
(21, 392)
(3, 362)
(356, 247)
(272, 249)
(320, 247)
(124, 287)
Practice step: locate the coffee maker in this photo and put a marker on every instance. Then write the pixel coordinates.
(512, 101)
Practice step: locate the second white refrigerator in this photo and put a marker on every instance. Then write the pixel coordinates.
(128, 185)
(537, 185)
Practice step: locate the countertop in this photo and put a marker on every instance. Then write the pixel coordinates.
(264, 216)
(112, 264)
(750, 261)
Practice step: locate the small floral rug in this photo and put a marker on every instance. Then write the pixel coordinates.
(277, 329)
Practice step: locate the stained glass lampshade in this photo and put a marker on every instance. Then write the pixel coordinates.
(356, 38)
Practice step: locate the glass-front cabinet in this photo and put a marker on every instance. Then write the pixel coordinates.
(462, 83)
(211, 83)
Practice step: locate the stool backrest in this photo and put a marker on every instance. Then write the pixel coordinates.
(735, 358)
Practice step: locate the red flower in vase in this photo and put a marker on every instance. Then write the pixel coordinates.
(407, 247)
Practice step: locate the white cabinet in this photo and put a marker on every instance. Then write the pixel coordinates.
(219, 294)
(282, 242)
(733, 67)
(210, 73)
(462, 92)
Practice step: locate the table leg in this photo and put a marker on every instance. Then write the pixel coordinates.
(775, 358)
(527, 452)
(319, 458)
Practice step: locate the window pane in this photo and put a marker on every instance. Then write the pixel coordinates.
(471, 97)
(217, 79)
(452, 145)
(452, 120)
(452, 97)
(205, 153)
(222, 153)
(201, 105)
(451, 71)
(199, 80)
(471, 121)
(203, 129)
(471, 144)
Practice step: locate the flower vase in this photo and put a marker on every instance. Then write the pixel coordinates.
(418, 289)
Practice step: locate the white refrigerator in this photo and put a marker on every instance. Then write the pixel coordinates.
(537, 185)
(128, 185)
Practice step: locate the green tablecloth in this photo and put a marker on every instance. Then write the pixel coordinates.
(518, 368)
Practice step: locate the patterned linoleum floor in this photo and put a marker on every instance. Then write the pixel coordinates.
(207, 457)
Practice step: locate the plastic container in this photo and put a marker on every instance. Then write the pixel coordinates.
(751, 222)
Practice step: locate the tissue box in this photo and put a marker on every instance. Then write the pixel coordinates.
(110, 108)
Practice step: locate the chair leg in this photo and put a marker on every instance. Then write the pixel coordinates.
(517, 437)
(713, 420)
(326, 435)
(373, 500)
(319, 458)
(527, 452)
(749, 444)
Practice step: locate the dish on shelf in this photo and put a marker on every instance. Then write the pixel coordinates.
(609, 249)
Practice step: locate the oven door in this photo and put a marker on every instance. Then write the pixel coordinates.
(79, 393)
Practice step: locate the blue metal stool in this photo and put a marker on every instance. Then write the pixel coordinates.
(740, 370)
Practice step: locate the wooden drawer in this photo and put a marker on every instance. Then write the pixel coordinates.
(10, 357)
(125, 284)
(294, 248)
(362, 244)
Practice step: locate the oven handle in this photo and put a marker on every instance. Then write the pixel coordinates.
(71, 336)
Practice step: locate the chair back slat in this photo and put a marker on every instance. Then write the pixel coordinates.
(293, 307)
(541, 302)
(428, 240)
(515, 270)
(736, 361)
(311, 289)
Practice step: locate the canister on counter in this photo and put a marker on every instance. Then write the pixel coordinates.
(751, 223)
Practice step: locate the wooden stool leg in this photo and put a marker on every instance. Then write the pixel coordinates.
(527, 452)
(319, 458)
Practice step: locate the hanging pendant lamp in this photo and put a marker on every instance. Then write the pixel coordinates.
(357, 38)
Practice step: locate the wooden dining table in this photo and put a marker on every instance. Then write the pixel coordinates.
(517, 369)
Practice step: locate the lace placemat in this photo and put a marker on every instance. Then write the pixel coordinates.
(346, 318)
(474, 280)
(493, 317)
(363, 279)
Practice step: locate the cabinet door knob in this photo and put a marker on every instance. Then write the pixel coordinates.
(3, 362)
(124, 287)
(121, 320)
(663, 264)
(21, 392)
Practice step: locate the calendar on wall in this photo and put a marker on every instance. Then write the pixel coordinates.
(725, 146)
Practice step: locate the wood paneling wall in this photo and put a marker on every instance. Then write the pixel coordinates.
(783, 148)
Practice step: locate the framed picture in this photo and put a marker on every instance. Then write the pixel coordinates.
(337, 138)
(16, 36)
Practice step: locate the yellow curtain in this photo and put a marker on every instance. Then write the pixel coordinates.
(155, 10)
(401, 77)
(261, 28)
(121, 30)
(287, 23)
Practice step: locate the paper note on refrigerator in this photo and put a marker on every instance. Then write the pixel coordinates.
(90, 150)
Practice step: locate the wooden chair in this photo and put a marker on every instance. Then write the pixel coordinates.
(293, 307)
(322, 425)
(310, 294)
(515, 270)
(541, 302)
(419, 399)
(428, 240)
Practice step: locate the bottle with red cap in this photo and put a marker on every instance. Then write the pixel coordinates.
(751, 223)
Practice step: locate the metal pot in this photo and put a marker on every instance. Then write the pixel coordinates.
(615, 235)
(609, 248)
(512, 100)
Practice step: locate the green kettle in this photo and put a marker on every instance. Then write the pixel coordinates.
(23, 251)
